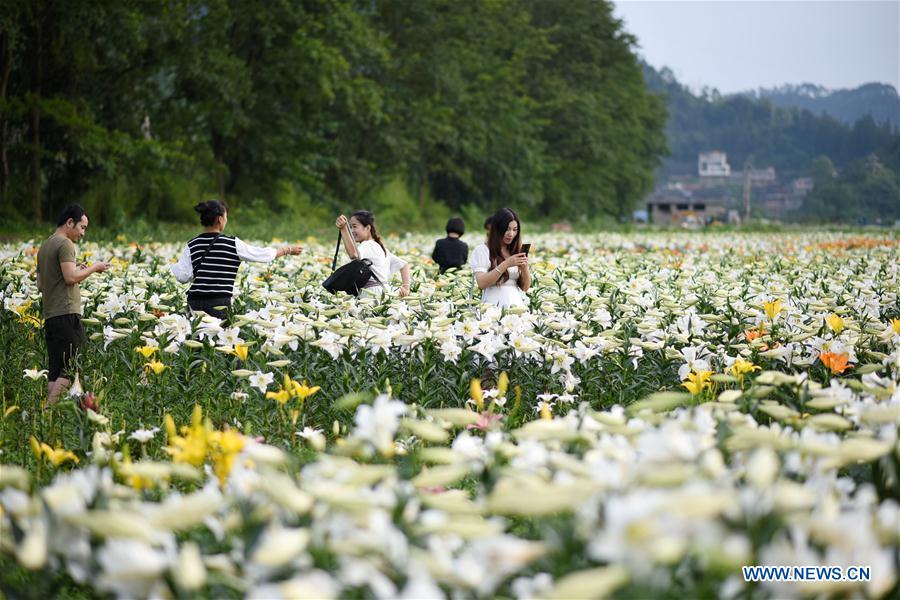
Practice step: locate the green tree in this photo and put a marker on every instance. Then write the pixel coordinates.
(603, 131)
(139, 107)
(822, 170)
(56, 93)
(463, 123)
(865, 191)
(281, 91)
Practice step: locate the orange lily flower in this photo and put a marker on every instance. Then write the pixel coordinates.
(836, 362)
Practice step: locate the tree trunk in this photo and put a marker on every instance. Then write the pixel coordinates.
(220, 180)
(36, 126)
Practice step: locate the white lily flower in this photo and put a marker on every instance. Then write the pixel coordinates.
(143, 435)
(261, 381)
(35, 374)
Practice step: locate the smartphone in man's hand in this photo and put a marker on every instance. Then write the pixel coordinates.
(526, 248)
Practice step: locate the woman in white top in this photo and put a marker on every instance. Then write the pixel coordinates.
(212, 273)
(365, 243)
(500, 267)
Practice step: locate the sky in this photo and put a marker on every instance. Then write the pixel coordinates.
(740, 45)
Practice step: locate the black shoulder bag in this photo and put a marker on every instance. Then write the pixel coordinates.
(350, 278)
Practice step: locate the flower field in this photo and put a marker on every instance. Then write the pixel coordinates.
(670, 408)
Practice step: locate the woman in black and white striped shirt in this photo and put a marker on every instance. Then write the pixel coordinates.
(211, 260)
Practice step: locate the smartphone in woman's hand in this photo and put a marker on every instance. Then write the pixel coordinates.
(526, 248)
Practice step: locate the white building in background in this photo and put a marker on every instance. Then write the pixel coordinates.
(713, 164)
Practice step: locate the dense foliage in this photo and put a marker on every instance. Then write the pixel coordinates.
(667, 409)
(865, 191)
(137, 108)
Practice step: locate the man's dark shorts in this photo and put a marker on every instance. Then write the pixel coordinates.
(64, 335)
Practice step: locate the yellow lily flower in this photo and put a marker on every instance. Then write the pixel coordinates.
(226, 445)
(200, 441)
(502, 384)
(155, 366)
(35, 448)
(147, 351)
(241, 351)
(56, 456)
(302, 392)
(835, 323)
(697, 382)
(281, 396)
(895, 326)
(191, 446)
(22, 309)
(292, 389)
(169, 424)
(741, 367)
(476, 394)
(27, 318)
(772, 309)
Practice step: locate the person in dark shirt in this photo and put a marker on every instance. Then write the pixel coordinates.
(451, 252)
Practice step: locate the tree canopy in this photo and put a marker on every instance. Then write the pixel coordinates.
(136, 107)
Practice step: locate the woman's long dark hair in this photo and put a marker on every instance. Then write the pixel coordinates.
(499, 224)
(368, 219)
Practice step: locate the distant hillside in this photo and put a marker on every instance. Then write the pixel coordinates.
(760, 131)
(855, 166)
(879, 100)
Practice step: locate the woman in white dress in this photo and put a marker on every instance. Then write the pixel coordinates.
(500, 267)
(365, 243)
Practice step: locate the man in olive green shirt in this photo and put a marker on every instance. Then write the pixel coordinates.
(57, 280)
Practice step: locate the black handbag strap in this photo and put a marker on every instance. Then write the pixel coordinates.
(205, 253)
(336, 250)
